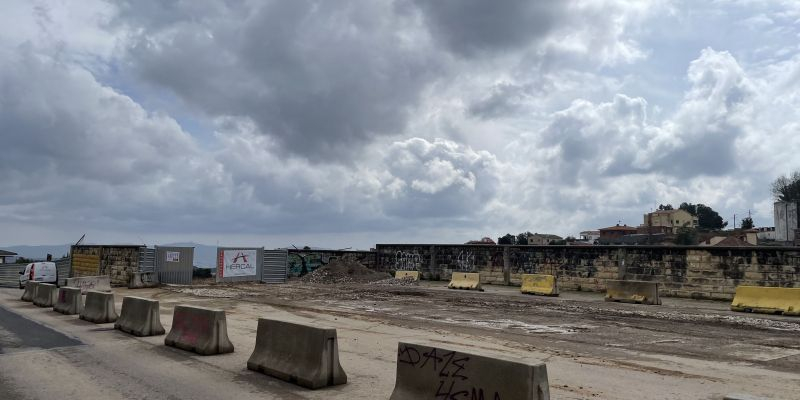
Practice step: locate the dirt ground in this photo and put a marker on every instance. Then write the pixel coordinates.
(683, 349)
(701, 344)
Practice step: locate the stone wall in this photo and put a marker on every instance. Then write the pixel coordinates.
(118, 262)
(693, 271)
(301, 262)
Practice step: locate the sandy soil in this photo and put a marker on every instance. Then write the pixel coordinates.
(593, 349)
(680, 338)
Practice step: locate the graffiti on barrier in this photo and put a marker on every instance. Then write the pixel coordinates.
(451, 369)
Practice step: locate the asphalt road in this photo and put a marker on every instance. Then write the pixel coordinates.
(65, 358)
(21, 334)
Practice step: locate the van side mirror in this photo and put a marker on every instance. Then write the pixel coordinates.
(22, 272)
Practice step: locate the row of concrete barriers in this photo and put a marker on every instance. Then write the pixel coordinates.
(303, 354)
(769, 300)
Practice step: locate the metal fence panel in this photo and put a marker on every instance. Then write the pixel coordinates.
(174, 265)
(274, 266)
(9, 274)
(147, 259)
(236, 264)
(63, 270)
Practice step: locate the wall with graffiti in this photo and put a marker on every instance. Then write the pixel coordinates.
(302, 262)
(696, 272)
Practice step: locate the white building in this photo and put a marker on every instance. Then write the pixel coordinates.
(7, 257)
(766, 233)
(786, 221)
(590, 236)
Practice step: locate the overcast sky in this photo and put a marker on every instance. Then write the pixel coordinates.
(349, 123)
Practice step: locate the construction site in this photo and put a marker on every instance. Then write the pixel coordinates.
(644, 346)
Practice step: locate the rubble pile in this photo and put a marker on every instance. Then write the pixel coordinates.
(343, 271)
(407, 281)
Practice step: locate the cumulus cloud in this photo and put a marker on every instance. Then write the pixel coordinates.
(439, 179)
(428, 121)
(706, 150)
(616, 138)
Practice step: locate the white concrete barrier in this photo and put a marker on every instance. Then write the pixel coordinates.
(141, 280)
(44, 295)
(425, 372)
(199, 329)
(30, 289)
(99, 307)
(69, 301)
(301, 354)
(87, 283)
(139, 317)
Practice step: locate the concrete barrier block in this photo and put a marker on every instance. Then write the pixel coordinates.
(139, 280)
(199, 329)
(412, 275)
(30, 289)
(99, 307)
(466, 281)
(740, 396)
(425, 372)
(767, 300)
(539, 284)
(639, 292)
(69, 301)
(302, 354)
(87, 283)
(139, 317)
(44, 295)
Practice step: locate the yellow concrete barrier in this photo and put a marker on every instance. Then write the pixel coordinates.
(414, 275)
(543, 285)
(767, 300)
(467, 281)
(639, 292)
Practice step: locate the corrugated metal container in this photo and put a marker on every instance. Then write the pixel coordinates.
(63, 269)
(236, 264)
(147, 259)
(274, 266)
(174, 264)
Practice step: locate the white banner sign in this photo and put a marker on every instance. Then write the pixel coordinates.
(239, 263)
(173, 256)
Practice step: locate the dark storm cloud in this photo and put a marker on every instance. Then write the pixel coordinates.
(320, 77)
(323, 78)
(472, 27)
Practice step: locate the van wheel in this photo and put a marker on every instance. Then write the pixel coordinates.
(21, 287)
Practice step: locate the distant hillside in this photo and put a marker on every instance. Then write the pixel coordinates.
(204, 255)
(39, 252)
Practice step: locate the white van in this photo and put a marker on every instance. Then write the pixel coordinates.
(39, 272)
